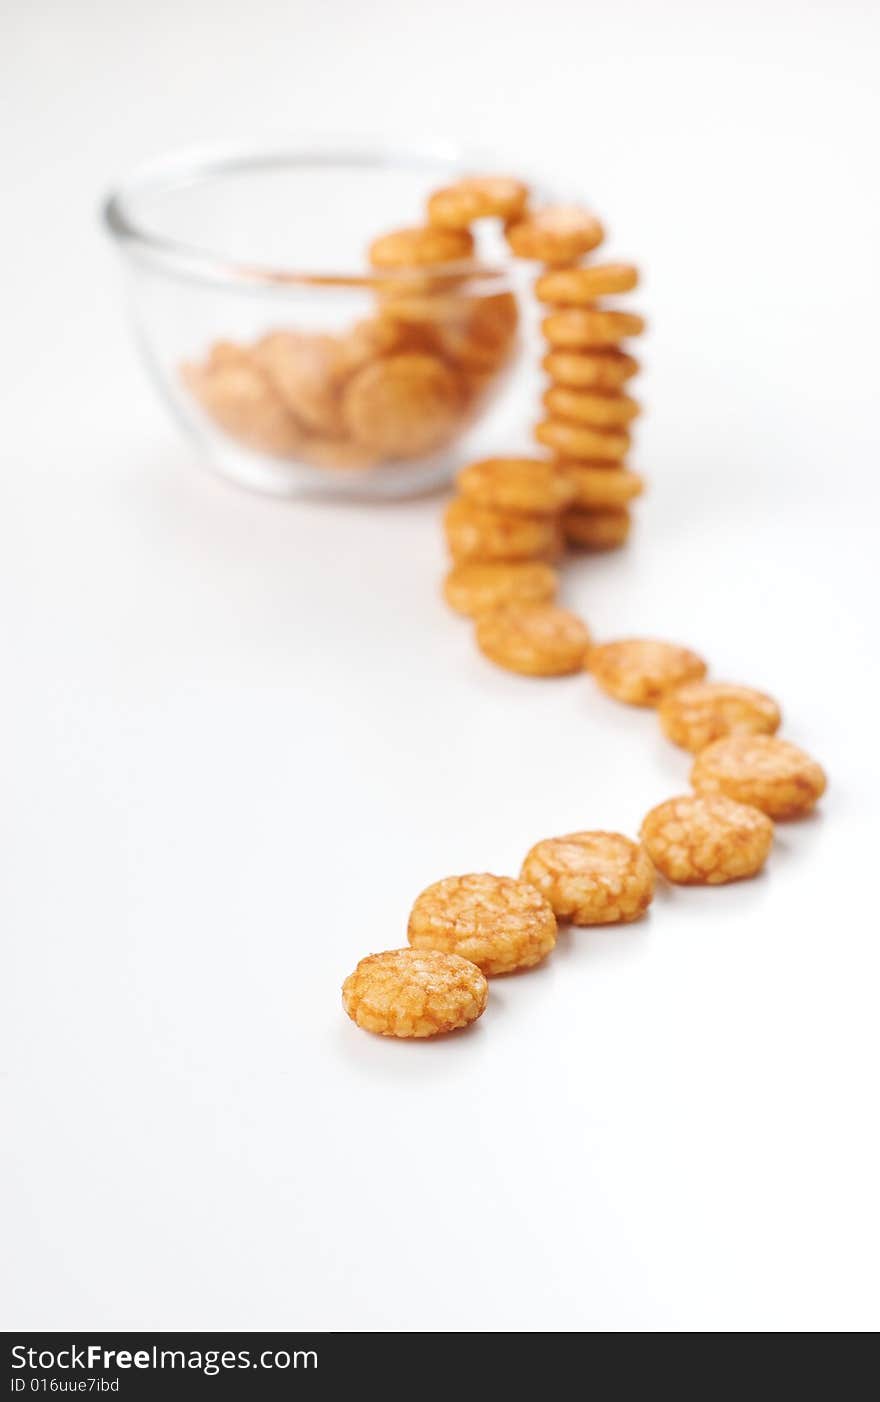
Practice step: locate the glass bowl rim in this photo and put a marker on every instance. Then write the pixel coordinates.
(192, 165)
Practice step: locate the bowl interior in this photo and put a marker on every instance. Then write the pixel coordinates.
(294, 211)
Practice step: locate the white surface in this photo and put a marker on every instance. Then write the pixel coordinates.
(240, 737)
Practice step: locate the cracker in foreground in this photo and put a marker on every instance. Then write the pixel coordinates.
(707, 840)
(771, 774)
(536, 640)
(496, 922)
(695, 714)
(475, 588)
(592, 878)
(414, 993)
(640, 671)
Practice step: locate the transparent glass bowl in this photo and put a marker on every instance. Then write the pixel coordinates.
(294, 377)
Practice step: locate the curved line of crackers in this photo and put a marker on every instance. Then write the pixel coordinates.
(508, 525)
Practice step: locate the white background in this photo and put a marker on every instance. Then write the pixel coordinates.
(240, 736)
